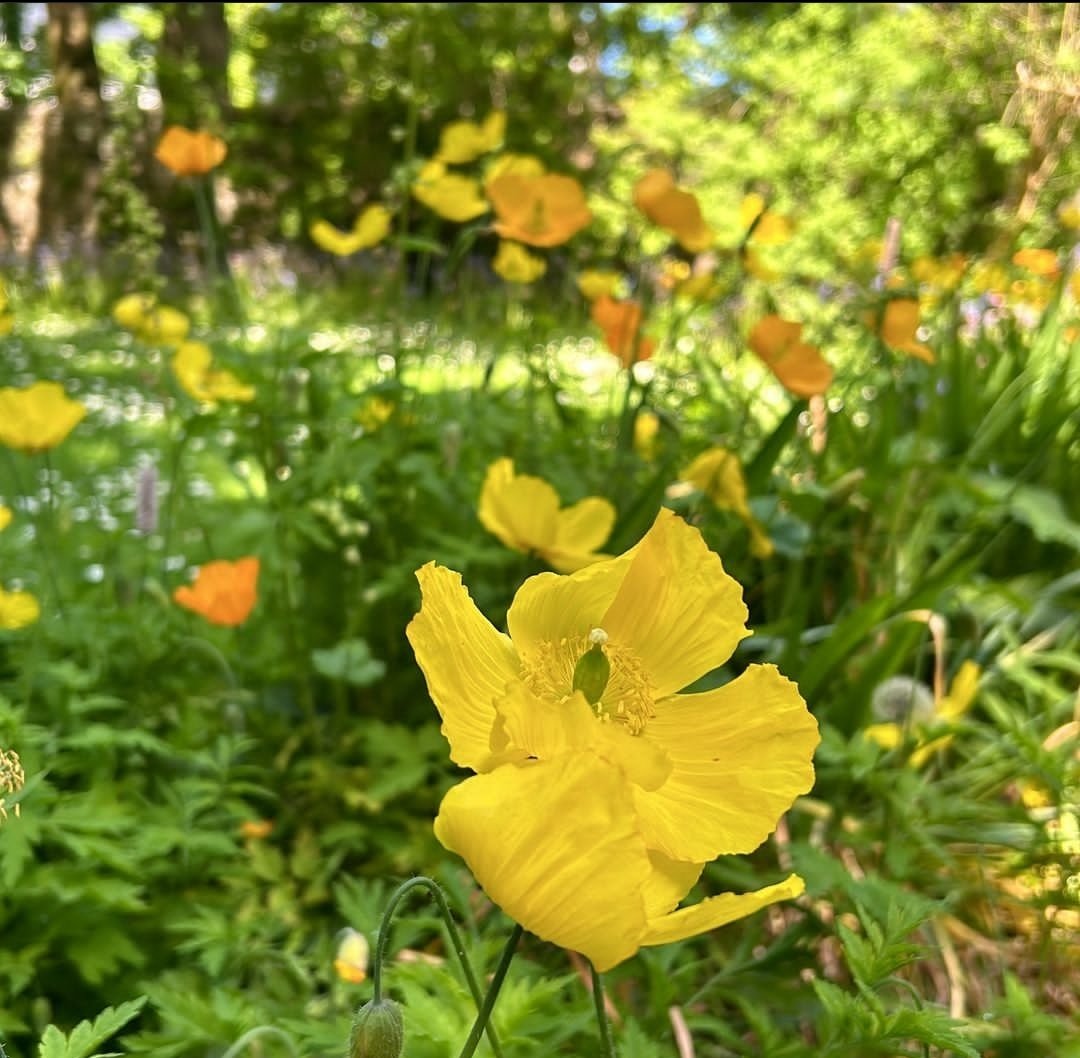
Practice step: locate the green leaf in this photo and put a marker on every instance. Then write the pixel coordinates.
(1039, 509)
(85, 1037)
(349, 661)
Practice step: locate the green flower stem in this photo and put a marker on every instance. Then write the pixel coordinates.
(497, 979)
(206, 223)
(606, 1043)
(254, 1034)
(455, 941)
(51, 519)
(210, 651)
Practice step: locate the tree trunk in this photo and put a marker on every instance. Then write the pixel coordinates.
(70, 157)
(193, 64)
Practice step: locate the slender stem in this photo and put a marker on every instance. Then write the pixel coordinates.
(455, 940)
(51, 519)
(497, 979)
(254, 1034)
(606, 1043)
(206, 222)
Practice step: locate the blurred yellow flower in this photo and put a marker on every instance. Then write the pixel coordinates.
(5, 517)
(948, 710)
(989, 277)
(1039, 262)
(371, 227)
(38, 417)
(799, 367)
(189, 153)
(704, 286)
(768, 228)
(351, 960)
(945, 273)
(595, 283)
(673, 209)
(621, 323)
(899, 326)
(451, 195)
(524, 513)
(376, 411)
(224, 592)
(191, 364)
(718, 474)
(256, 829)
(601, 790)
(519, 164)
(464, 141)
(1069, 214)
(17, 609)
(646, 431)
(544, 210)
(516, 265)
(150, 322)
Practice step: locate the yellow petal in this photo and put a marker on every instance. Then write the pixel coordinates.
(493, 130)
(520, 510)
(163, 325)
(718, 911)
(131, 310)
(466, 662)
(676, 607)
(668, 883)
(962, 692)
(333, 240)
(922, 753)
(516, 265)
(5, 517)
(18, 609)
(576, 884)
(887, 736)
(37, 417)
(585, 526)
(741, 755)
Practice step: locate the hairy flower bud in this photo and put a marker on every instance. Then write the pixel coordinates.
(377, 1030)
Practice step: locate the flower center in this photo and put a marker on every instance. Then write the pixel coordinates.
(553, 672)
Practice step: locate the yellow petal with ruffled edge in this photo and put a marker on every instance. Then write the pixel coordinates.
(718, 911)
(585, 526)
(466, 662)
(527, 727)
(577, 883)
(676, 608)
(741, 755)
(520, 510)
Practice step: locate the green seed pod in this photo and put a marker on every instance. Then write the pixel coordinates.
(592, 671)
(377, 1030)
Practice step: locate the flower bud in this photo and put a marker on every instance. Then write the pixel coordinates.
(377, 1030)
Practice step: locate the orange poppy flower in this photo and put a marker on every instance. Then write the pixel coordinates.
(899, 325)
(1040, 262)
(189, 153)
(224, 592)
(621, 323)
(674, 210)
(544, 210)
(799, 367)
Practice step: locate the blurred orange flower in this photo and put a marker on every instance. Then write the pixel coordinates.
(673, 209)
(899, 325)
(799, 367)
(540, 210)
(38, 417)
(256, 829)
(224, 592)
(189, 153)
(1040, 262)
(621, 323)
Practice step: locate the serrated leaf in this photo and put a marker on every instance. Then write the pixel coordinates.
(86, 1037)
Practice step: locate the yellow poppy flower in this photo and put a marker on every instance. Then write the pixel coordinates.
(524, 513)
(899, 324)
(189, 153)
(1040, 262)
(461, 142)
(516, 265)
(800, 368)
(520, 164)
(191, 364)
(718, 474)
(545, 210)
(351, 960)
(17, 609)
(371, 227)
(5, 517)
(596, 283)
(621, 323)
(948, 710)
(38, 417)
(150, 322)
(673, 209)
(451, 195)
(602, 791)
(770, 228)
(646, 431)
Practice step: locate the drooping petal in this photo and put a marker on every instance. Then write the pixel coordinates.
(576, 884)
(466, 662)
(741, 755)
(668, 883)
(585, 526)
(519, 509)
(718, 911)
(676, 607)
